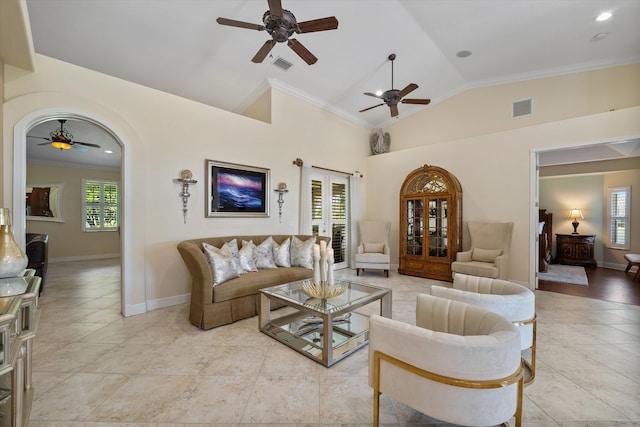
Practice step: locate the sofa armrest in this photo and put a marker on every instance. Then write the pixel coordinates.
(200, 271)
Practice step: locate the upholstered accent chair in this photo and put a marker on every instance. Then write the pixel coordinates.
(508, 299)
(459, 364)
(487, 246)
(373, 250)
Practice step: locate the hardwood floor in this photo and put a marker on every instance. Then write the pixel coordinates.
(604, 283)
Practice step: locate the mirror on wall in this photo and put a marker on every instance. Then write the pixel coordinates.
(44, 202)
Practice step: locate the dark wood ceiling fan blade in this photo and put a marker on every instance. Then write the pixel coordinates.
(410, 88)
(302, 51)
(39, 137)
(86, 144)
(275, 8)
(416, 101)
(264, 51)
(45, 143)
(394, 110)
(240, 24)
(367, 109)
(373, 94)
(322, 24)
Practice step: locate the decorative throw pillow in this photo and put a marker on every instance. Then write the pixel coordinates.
(281, 253)
(302, 252)
(247, 256)
(226, 250)
(485, 255)
(233, 247)
(373, 248)
(264, 254)
(222, 262)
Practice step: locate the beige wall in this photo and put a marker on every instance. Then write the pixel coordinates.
(163, 134)
(471, 135)
(66, 239)
(495, 172)
(486, 110)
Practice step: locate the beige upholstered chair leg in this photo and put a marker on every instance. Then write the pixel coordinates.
(378, 357)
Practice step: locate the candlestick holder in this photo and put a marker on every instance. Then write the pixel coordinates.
(281, 190)
(185, 180)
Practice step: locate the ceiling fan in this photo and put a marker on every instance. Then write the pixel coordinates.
(62, 139)
(392, 96)
(281, 24)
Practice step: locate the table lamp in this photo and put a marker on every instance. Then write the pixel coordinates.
(575, 214)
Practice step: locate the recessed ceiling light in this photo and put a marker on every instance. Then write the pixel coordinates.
(379, 92)
(108, 151)
(463, 54)
(604, 16)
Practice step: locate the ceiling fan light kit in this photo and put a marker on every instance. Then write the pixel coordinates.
(281, 24)
(62, 139)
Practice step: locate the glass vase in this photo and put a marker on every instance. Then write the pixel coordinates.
(13, 260)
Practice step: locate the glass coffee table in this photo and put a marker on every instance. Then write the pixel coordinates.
(324, 330)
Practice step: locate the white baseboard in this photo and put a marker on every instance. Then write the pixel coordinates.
(84, 257)
(168, 302)
(613, 266)
(132, 310)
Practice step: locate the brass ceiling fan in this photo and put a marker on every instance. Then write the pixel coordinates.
(392, 96)
(281, 24)
(62, 139)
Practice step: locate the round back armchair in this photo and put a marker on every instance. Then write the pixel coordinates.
(459, 363)
(508, 299)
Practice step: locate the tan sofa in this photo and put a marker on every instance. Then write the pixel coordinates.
(235, 299)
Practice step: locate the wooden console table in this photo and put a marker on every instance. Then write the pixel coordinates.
(576, 249)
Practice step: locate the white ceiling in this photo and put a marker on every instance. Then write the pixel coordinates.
(176, 46)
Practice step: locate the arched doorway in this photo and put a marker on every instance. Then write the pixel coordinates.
(21, 129)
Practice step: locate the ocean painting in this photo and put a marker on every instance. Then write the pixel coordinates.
(237, 190)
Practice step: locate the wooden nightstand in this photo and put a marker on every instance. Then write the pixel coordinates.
(575, 249)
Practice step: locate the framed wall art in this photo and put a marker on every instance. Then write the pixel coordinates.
(234, 190)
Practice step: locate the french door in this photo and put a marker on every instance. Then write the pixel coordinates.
(330, 213)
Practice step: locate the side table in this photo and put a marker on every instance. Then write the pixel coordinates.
(576, 249)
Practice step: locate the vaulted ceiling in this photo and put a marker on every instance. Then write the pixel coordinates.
(176, 46)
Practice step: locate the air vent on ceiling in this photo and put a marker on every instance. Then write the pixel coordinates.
(521, 108)
(281, 63)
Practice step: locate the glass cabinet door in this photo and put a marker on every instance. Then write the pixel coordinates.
(415, 226)
(438, 230)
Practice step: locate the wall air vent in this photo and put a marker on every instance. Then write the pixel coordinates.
(281, 63)
(521, 108)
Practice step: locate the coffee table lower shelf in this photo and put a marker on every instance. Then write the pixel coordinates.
(299, 332)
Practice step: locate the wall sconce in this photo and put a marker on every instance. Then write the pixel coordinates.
(575, 214)
(282, 188)
(185, 179)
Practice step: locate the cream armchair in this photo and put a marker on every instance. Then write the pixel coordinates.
(510, 300)
(373, 250)
(487, 253)
(460, 363)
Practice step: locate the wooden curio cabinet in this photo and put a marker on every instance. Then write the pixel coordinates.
(430, 223)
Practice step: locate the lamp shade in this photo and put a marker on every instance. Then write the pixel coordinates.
(575, 214)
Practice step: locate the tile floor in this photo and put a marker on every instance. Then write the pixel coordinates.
(94, 368)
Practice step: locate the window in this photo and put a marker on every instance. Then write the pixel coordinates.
(619, 217)
(99, 205)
